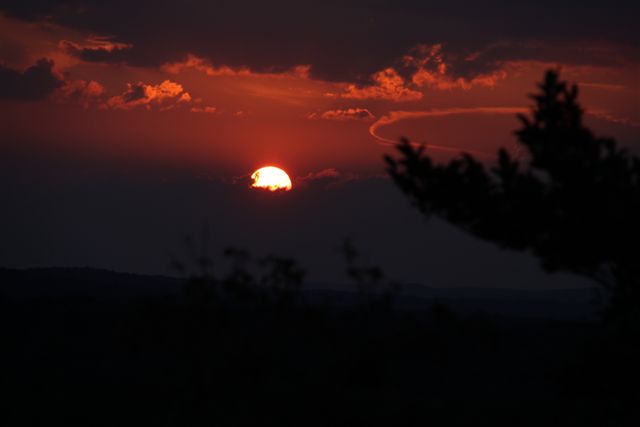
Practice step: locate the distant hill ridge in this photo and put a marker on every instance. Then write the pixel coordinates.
(106, 285)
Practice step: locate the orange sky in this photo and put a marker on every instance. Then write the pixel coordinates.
(211, 116)
(127, 124)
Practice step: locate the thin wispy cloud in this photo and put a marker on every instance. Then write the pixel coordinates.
(397, 116)
(348, 114)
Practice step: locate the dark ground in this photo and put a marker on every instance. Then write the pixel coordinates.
(90, 347)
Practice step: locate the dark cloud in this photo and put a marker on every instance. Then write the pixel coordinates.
(134, 93)
(331, 178)
(98, 49)
(568, 52)
(36, 82)
(324, 173)
(341, 40)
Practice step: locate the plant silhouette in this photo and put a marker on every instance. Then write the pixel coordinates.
(573, 199)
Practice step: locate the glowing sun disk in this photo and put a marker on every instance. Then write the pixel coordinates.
(271, 178)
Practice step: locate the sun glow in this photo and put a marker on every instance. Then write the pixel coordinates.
(271, 178)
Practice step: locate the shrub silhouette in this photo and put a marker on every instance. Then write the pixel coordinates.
(573, 201)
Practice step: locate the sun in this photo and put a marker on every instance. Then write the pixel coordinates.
(271, 178)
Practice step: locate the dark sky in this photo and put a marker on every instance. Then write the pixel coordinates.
(127, 125)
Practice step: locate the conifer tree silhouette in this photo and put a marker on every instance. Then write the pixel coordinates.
(573, 201)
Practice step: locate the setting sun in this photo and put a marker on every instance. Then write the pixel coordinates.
(271, 178)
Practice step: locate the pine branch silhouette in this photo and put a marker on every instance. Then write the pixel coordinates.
(574, 202)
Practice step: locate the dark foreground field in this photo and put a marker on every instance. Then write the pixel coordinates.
(93, 348)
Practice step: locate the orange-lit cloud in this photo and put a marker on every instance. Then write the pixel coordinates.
(348, 114)
(163, 96)
(427, 68)
(387, 85)
(433, 71)
(197, 63)
(439, 80)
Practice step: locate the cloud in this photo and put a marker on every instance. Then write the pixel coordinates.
(163, 96)
(603, 86)
(396, 116)
(429, 66)
(348, 114)
(361, 40)
(441, 81)
(613, 118)
(81, 92)
(425, 66)
(96, 49)
(206, 109)
(387, 85)
(200, 64)
(567, 52)
(35, 83)
(434, 71)
(332, 177)
(323, 174)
